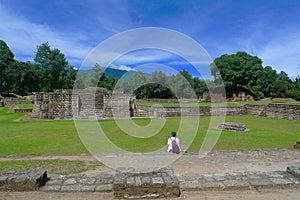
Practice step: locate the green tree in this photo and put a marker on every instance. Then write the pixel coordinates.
(97, 74)
(108, 82)
(282, 76)
(6, 58)
(137, 80)
(180, 86)
(237, 69)
(266, 80)
(199, 86)
(153, 90)
(159, 78)
(54, 67)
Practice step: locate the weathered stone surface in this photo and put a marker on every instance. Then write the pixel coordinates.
(89, 103)
(297, 145)
(233, 126)
(238, 181)
(129, 183)
(281, 111)
(294, 170)
(51, 188)
(104, 188)
(23, 180)
(88, 188)
(71, 188)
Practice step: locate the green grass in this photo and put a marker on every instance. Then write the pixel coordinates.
(60, 137)
(37, 137)
(52, 166)
(25, 105)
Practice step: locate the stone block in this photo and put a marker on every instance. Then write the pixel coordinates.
(297, 145)
(25, 180)
(51, 188)
(104, 188)
(128, 183)
(71, 188)
(232, 126)
(294, 170)
(88, 188)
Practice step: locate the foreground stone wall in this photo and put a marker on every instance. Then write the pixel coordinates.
(26, 180)
(281, 111)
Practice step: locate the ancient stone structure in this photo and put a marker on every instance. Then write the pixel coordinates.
(26, 180)
(7, 102)
(90, 103)
(212, 98)
(241, 96)
(233, 126)
(281, 111)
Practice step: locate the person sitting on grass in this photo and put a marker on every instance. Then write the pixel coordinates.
(173, 144)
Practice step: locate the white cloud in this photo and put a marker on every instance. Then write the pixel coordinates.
(23, 37)
(283, 53)
(122, 67)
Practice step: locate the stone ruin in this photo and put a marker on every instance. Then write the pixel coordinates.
(90, 103)
(233, 126)
(212, 98)
(218, 97)
(241, 96)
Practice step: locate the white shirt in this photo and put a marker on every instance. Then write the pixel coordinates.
(170, 143)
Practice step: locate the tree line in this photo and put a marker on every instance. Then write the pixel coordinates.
(51, 70)
(242, 69)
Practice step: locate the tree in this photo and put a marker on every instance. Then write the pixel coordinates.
(53, 65)
(137, 80)
(159, 78)
(153, 90)
(199, 86)
(97, 74)
(180, 86)
(238, 69)
(6, 58)
(266, 80)
(282, 76)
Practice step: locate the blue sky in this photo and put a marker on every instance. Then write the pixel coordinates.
(269, 29)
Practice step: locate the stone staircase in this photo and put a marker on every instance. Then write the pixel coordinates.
(141, 113)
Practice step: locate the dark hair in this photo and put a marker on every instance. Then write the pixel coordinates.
(174, 134)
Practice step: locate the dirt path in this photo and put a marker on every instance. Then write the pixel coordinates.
(215, 162)
(271, 194)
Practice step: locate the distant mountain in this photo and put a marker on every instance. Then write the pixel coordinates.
(117, 73)
(122, 75)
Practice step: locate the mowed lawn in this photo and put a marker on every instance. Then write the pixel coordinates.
(60, 137)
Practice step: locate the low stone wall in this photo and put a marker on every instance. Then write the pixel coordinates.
(21, 110)
(281, 111)
(8, 103)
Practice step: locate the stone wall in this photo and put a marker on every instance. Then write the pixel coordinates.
(90, 103)
(55, 105)
(7, 102)
(281, 111)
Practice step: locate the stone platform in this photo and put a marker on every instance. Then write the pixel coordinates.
(248, 170)
(129, 184)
